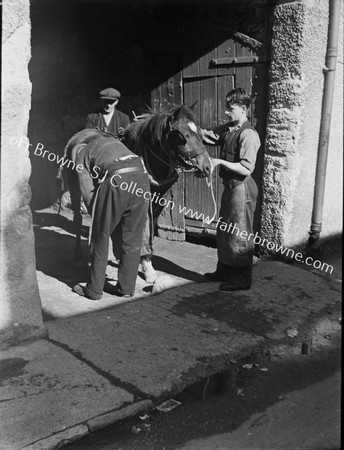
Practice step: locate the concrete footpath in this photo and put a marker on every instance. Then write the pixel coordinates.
(105, 361)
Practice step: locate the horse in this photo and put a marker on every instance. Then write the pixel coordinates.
(168, 142)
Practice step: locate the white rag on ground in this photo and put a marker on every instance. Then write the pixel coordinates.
(163, 283)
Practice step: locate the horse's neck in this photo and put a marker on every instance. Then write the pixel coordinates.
(132, 145)
(156, 160)
(139, 139)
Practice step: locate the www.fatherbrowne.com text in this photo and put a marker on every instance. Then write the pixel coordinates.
(23, 142)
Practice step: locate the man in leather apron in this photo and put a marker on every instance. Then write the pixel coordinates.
(239, 143)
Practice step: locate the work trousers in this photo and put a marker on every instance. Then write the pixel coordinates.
(118, 209)
(234, 244)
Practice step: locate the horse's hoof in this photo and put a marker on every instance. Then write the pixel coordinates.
(150, 277)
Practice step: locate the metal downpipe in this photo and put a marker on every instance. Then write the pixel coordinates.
(329, 72)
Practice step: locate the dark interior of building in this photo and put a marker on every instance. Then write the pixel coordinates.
(81, 47)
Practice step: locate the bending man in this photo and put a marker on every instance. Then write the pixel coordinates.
(109, 166)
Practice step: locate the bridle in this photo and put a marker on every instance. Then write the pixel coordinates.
(187, 160)
(174, 171)
(173, 175)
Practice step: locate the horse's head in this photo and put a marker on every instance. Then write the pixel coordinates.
(185, 143)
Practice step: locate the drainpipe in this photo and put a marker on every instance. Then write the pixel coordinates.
(329, 72)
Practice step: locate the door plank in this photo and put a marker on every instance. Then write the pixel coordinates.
(171, 224)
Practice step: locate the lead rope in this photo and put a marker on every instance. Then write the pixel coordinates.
(209, 181)
(169, 180)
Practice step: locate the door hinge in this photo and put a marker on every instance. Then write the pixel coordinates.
(234, 60)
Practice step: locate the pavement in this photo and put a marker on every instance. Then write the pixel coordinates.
(105, 361)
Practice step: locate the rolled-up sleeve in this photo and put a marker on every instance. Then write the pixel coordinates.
(249, 146)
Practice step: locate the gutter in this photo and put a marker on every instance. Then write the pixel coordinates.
(324, 134)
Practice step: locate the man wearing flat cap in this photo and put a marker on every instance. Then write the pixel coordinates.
(109, 118)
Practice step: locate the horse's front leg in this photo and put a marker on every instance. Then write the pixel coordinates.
(147, 268)
(77, 220)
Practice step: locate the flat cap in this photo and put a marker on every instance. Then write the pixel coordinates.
(110, 93)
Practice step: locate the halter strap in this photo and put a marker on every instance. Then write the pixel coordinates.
(175, 170)
(158, 157)
(169, 180)
(195, 156)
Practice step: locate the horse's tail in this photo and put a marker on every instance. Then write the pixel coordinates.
(60, 177)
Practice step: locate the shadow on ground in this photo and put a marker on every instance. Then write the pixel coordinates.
(171, 268)
(54, 247)
(55, 243)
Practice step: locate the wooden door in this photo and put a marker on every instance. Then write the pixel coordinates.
(239, 61)
(171, 223)
(207, 82)
(221, 54)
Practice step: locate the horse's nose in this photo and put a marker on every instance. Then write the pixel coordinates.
(206, 170)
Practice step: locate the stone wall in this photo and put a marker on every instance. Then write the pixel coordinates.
(20, 306)
(298, 57)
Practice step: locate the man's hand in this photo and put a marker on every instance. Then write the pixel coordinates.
(235, 167)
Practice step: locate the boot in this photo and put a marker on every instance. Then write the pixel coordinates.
(222, 273)
(240, 279)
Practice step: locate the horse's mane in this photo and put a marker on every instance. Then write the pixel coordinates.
(150, 129)
(154, 124)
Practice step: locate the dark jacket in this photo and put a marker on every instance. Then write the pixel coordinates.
(119, 120)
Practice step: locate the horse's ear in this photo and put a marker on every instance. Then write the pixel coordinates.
(169, 122)
(176, 114)
(184, 111)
